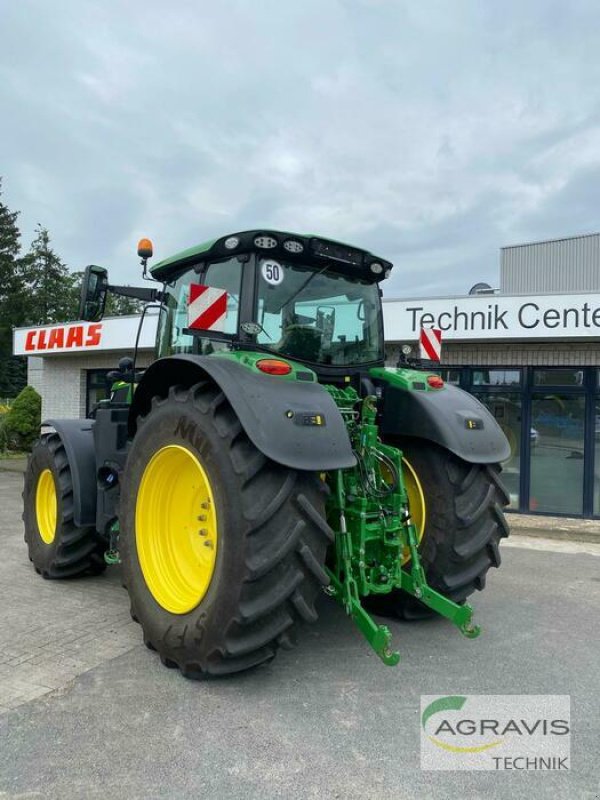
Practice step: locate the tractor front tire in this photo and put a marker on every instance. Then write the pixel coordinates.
(459, 507)
(57, 547)
(223, 550)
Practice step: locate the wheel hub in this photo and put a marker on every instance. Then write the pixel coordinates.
(176, 529)
(46, 506)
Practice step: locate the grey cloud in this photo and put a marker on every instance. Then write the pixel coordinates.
(430, 133)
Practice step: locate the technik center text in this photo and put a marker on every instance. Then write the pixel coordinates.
(529, 315)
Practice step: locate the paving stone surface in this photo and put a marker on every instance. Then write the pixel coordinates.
(52, 631)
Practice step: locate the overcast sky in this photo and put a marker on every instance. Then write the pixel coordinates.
(431, 133)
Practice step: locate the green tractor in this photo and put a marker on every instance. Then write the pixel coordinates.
(266, 456)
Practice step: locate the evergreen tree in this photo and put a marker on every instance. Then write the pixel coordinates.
(115, 306)
(122, 306)
(12, 370)
(51, 291)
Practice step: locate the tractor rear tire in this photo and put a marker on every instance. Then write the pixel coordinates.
(234, 608)
(464, 523)
(57, 547)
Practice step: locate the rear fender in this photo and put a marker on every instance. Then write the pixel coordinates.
(77, 436)
(449, 417)
(279, 416)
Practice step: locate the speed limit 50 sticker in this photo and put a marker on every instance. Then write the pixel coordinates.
(272, 272)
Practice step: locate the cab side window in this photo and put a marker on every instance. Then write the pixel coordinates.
(227, 275)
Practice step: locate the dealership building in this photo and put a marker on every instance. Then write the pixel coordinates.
(529, 349)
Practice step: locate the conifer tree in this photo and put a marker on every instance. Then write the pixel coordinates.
(12, 370)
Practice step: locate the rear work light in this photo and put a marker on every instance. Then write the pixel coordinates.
(265, 242)
(435, 381)
(273, 366)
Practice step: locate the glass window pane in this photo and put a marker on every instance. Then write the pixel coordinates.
(322, 318)
(97, 388)
(505, 407)
(557, 454)
(220, 275)
(558, 377)
(496, 377)
(450, 375)
(227, 275)
(597, 458)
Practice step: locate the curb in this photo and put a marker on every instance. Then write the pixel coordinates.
(561, 528)
(18, 466)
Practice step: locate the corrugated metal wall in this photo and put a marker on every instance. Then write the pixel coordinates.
(562, 265)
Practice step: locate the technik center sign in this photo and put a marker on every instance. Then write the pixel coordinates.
(495, 317)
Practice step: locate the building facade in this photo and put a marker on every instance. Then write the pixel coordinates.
(530, 352)
(68, 364)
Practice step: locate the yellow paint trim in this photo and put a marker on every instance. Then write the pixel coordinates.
(454, 749)
(416, 502)
(46, 506)
(176, 530)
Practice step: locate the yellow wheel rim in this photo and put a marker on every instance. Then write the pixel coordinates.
(416, 502)
(176, 529)
(46, 506)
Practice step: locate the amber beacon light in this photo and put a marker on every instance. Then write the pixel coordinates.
(144, 248)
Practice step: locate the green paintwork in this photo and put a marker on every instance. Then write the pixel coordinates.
(183, 255)
(112, 555)
(368, 510)
(404, 378)
(249, 359)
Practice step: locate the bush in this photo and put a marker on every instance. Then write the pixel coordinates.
(3, 434)
(4, 409)
(21, 426)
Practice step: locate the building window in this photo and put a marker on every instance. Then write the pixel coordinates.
(557, 459)
(496, 377)
(558, 377)
(451, 376)
(97, 388)
(505, 407)
(596, 484)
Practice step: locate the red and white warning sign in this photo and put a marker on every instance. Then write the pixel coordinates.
(430, 344)
(207, 308)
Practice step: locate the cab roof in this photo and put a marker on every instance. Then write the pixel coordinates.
(312, 246)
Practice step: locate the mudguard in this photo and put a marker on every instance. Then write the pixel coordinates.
(293, 423)
(449, 417)
(77, 436)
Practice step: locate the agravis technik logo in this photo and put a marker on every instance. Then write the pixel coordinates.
(495, 732)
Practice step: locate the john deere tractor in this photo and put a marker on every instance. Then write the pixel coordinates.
(266, 456)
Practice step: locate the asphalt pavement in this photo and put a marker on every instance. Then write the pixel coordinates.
(105, 719)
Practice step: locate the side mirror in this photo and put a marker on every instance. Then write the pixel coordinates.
(93, 293)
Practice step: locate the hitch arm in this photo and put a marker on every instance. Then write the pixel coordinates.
(378, 636)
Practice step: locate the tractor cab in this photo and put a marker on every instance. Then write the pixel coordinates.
(301, 297)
